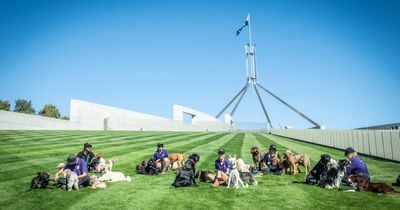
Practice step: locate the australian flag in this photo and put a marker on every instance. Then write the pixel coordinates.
(246, 23)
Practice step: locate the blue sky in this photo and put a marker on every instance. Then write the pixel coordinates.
(336, 61)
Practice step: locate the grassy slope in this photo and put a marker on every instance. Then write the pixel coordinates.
(23, 153)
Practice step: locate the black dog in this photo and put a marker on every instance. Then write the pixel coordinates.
(203, 175)
(147, 166)
(315, 174)
(187, 175)
(40, 181)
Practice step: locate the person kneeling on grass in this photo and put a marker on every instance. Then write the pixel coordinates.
(78, 166)
(161, 158)
(87, 155)
(221, 168)
(356, 166)
(271, 161)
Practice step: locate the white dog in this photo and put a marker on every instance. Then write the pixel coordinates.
(72, 179)
(106, 165)
(234, 179)
(112, 176)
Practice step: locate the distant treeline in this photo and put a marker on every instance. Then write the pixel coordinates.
(25, 106)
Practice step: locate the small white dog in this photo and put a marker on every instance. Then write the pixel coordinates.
(106, 165)
(72, 179)
(234, 179)
(112, 176)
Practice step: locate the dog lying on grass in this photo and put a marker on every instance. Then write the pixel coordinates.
(72, 180)
(203, 175)
(298, 159)
(176, 158)
(112, 176)
(234, 179)
(96, 183)
(41, 180)
(147, 166)
(363, 185)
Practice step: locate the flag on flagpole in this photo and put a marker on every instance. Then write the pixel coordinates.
(246, 23)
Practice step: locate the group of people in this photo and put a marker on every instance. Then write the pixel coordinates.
(81, 164)
(85, 161)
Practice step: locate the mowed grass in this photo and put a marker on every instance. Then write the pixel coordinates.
(23, 153)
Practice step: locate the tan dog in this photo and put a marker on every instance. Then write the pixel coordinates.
(176, 157)
(296, 159)
(96, 184)
(110, 163)
(241, 166)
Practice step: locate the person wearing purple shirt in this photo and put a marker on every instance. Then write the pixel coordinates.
(161, 158)
(221, 170)
(78, 166)
(356, 165)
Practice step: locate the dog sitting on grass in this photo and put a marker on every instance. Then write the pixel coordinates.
(332, 178)
(258, 157)
(234, 179)
(71, 179)
(187, 175)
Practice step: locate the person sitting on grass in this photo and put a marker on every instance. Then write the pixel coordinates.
(221, 170)
(78, 166)
(356, 165)
(87, 155)
(271, 161)
(161, 158)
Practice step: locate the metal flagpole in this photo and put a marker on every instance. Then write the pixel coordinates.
(262, 105)
(230, 102)
(295, 110)
(240, 99)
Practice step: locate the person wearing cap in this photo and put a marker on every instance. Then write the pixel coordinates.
(271, 166)
(221, 169)
(87, 155)
(356, 165)
(78, 166)
(161, 158)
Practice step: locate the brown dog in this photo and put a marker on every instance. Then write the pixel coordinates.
(176, 157)
(298, 159)
(364, 186)
(258, 157)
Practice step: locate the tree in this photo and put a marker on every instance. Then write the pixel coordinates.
(64, 118)
(5, 105)
(24, 106)
(50, 110)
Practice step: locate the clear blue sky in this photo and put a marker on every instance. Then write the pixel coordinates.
(336, 61)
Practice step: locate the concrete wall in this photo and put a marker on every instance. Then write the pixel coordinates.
(19, 121)
(90, 116)
(378, 143)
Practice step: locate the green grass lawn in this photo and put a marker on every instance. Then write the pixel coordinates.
(23, 153)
